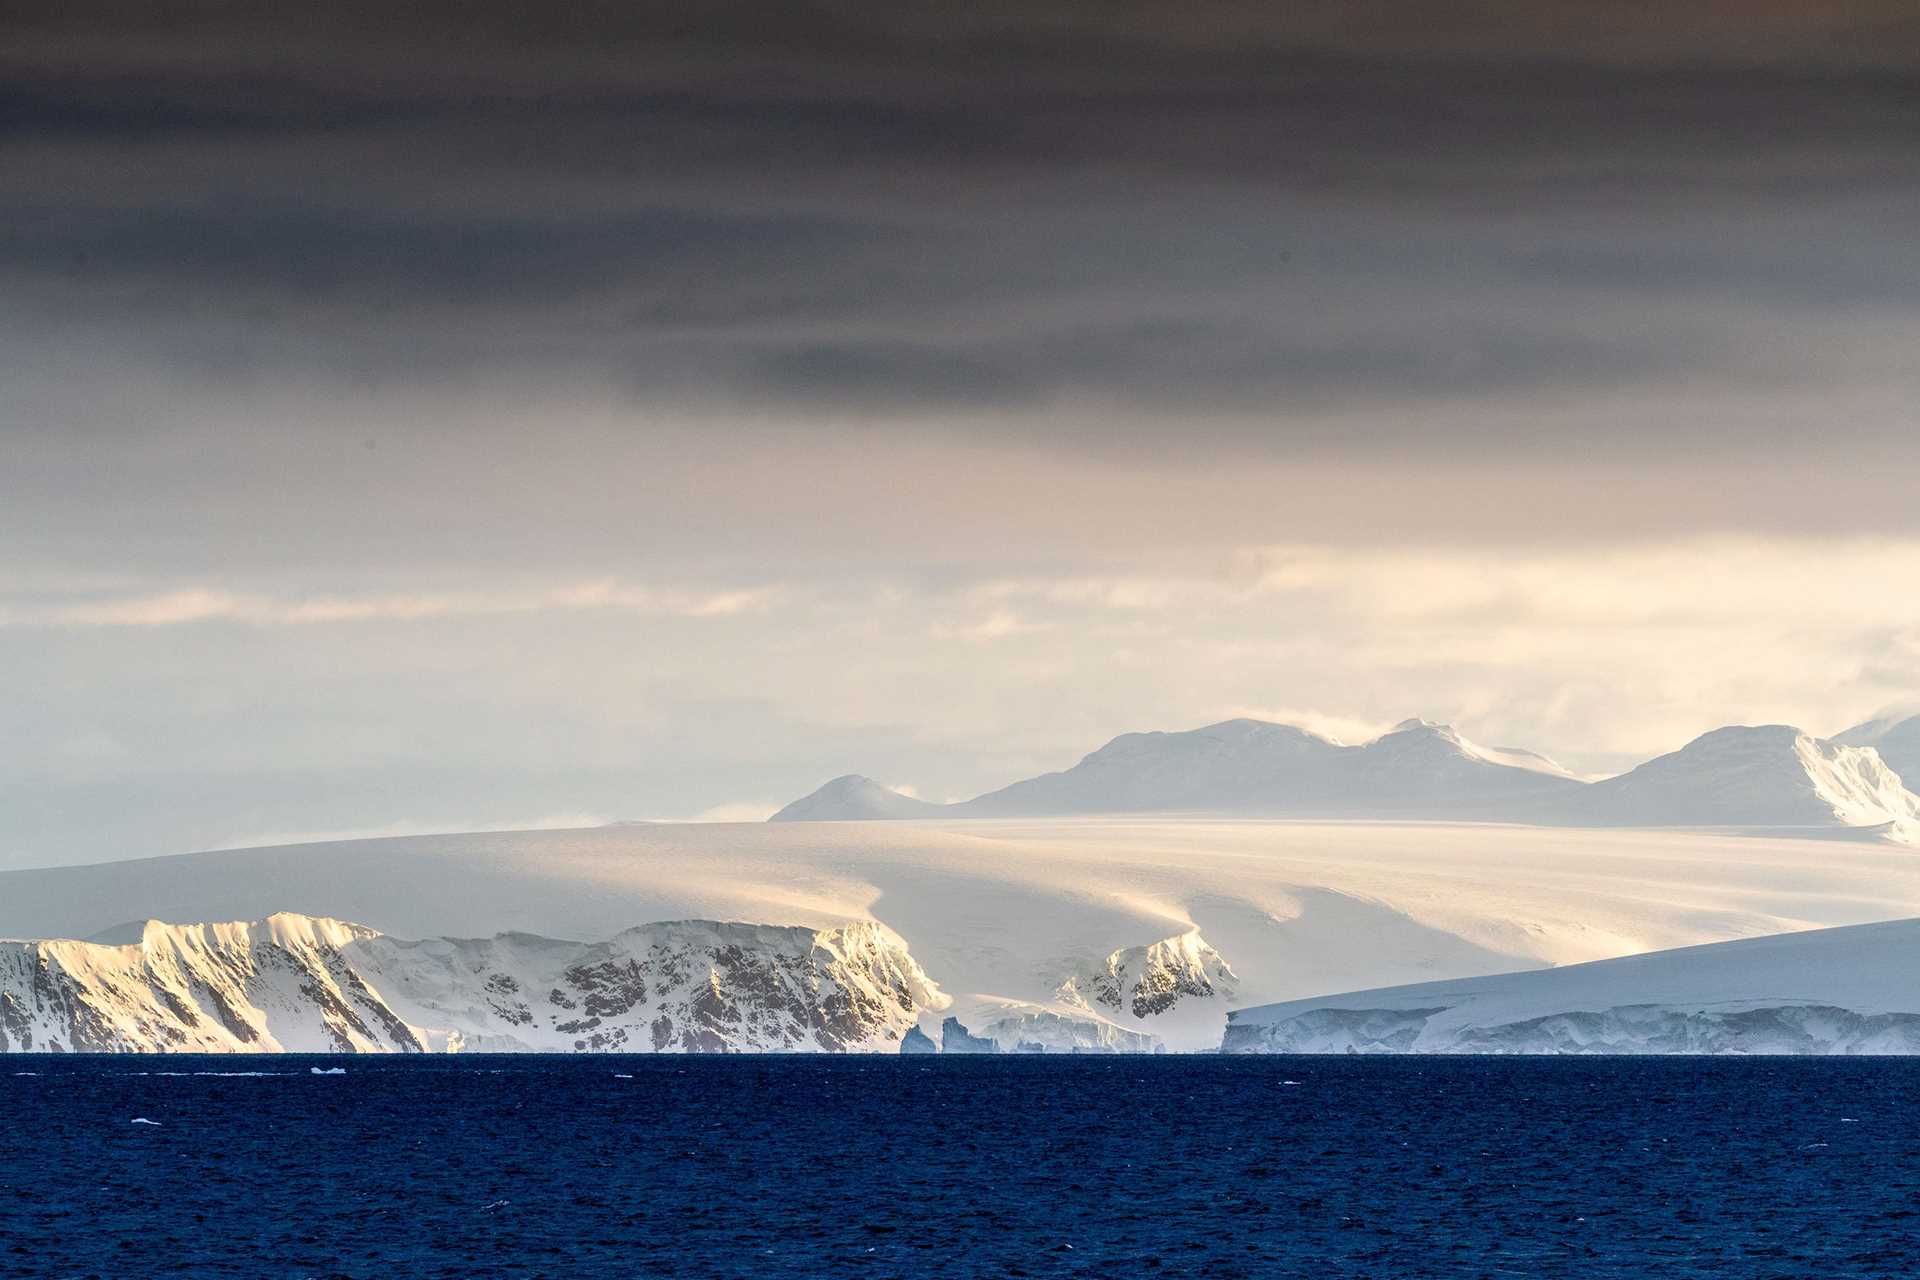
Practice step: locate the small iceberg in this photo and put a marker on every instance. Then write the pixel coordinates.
(144, 1120)
(328, 1071)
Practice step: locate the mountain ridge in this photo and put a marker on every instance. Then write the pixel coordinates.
(1759, 775)
(1896, 737)
(1773, 777)
(854, 797)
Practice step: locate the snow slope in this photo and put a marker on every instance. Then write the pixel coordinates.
(1896, 738)
(1233, 765)
(1847, 990)
(1420, 769)
(301, 984)
(1001, 914)
(1766, 776)
(852, 798)
(1426, 769)
(1771, 777)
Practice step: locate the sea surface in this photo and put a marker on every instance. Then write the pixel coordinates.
(962, 1167)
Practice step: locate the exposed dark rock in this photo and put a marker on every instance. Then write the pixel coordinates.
(692, 986)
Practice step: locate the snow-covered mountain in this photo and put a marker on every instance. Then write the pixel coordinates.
(1422, 769)
(1773, 776)
(1154, 979)
(853, 798)
(1178, 984)
(1825, 991)
(1419, 769)
(1767, 776)
(294, 983)
(1236, 764)
(1002, 915)
(304, 984)
(1896, 738)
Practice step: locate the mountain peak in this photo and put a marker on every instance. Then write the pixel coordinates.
(1733, 734)
(1770, 775)
(854, 797)
(1427, 736)
(1433, 733)
(1896, 736)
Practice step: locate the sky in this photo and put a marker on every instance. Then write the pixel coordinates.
(442, 416)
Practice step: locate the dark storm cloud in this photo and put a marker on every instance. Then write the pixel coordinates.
(1159, 362)
(897, 207)
(454, 413)
(389, 262)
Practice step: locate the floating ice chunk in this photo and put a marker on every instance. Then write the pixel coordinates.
(328, 1071)
(144, 1120)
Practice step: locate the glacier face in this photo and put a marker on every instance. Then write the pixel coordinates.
(1625, 1029)
(306, 984)
(1022, 1027)
(1824, 991)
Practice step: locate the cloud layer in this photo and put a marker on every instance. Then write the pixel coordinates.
(205, 716)
(423, 410)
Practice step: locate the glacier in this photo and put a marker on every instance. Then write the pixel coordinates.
(1014, 916)
(1824, 991)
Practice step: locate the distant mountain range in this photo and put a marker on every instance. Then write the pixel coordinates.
(1774, 777)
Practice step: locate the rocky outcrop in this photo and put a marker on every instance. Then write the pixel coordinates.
(306, 984)
(1147, 981)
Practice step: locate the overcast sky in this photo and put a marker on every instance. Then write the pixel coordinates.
(470, 416)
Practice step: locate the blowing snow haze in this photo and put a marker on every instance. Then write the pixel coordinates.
(437, 417)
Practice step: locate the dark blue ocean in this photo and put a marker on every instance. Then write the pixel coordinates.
(963, 1167)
